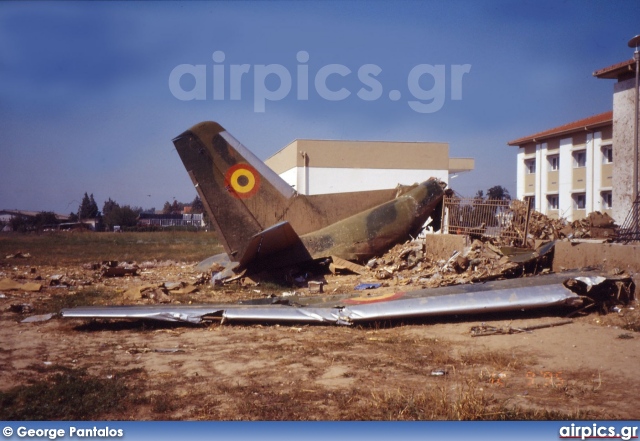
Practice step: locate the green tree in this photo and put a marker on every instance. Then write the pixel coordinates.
(176, 207)
(44, 219)
(19, 223)
(129, 216)
(88, 208)
(114, 214)
(108, 206)
(111, 213)
(166, 208)
(197, 206)
(498, 192)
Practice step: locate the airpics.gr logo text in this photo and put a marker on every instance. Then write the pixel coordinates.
(330, 82)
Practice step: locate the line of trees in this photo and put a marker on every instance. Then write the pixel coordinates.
(39, 222)
(112, 214)
(496, 192)
(177, 207)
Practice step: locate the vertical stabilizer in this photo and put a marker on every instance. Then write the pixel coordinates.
(242, 195)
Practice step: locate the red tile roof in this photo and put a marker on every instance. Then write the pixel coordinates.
(616, 70)
(586, 123)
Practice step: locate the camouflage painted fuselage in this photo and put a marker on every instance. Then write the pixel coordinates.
(374, 231)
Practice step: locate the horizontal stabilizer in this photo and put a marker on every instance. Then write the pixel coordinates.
(279, 242)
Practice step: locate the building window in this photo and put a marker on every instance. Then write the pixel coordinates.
(607, 200)
(607, 154)
(530, 166)
(531, 200)
(552, 200)
(554, 162)
(579, 201)
(580, 159)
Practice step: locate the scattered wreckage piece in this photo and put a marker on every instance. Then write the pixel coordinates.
(18, 255)
(38, 318)
(21, 308)
(483, 330)
(119, 270)
(9, 285)
(497, 296)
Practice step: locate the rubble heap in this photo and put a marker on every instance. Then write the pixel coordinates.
(541, 227)
(407, 264)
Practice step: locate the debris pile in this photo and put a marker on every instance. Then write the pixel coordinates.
(605, 293)
(596, 225)
(541, 227)
(407, 264)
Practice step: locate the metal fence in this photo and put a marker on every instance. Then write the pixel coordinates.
(630, 229)
(486, 217)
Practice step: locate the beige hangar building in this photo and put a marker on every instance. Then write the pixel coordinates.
(328, 166)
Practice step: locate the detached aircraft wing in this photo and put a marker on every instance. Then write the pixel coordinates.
(517, 295)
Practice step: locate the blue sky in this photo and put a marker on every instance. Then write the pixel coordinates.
(85, 102)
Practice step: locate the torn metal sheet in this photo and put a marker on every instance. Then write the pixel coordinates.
(519, 255)
(497, 296)
(591, 281)
(38, 318)
(167, 313)
(363, 286)
(338, 263)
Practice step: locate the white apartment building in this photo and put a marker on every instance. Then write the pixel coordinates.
(568, 170)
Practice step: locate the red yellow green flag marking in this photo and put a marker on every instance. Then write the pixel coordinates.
(242, 180)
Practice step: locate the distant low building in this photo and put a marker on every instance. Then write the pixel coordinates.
(171, 220)
(6, 216)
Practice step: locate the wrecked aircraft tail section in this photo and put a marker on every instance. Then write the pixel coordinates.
(242, 195)
(259, 217)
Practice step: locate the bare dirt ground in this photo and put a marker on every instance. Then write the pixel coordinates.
(422, 369)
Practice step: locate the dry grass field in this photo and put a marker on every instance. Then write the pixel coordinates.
(65, 369)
